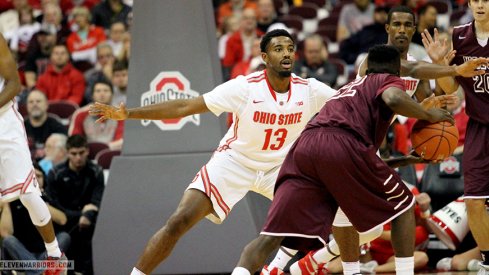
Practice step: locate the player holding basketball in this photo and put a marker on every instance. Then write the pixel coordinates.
(334, 163)
(470, 41)
(17, 179)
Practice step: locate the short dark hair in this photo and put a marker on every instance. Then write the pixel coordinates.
(119, 65)
(105, 82)
(265, 40)
(401, 9)
(422, 10)
(384, 59)
(76, 141)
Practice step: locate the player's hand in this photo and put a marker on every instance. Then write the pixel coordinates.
(437, 115)
(472, 67)
(89, 207)
(423, 200)
(108, 112)
(84, 222)
(450, 102)
(436, 49)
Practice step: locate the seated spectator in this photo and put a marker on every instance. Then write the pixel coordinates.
(367, 37)
(265, 15)
(243, 67)
(83, 42)
(23, 34)
(110, 131)
(21, 240)
(233, 7)
(110, 11)
(53, 15)
(102, 69)
(62, 81)
(38, 54)
(116, 38)
(426, 21)
(315, 62)
(238, 46)
(9, 19)
(120, 78)
(38, 124)
(55, 152)
(76, 187)
(353, 17)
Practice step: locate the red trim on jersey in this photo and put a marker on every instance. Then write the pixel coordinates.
(205, 179)
(257, 78)
(219, 200)
(27, 183)
(297, 80)
(447, 230)
(270, 89)
(231, 139)
(18, 186)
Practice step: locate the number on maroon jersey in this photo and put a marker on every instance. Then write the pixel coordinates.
(481, 83)
(349, 89)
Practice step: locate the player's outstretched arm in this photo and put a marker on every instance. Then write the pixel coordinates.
(399, 102)
(425, 70)
(8, 70)
(168, 109)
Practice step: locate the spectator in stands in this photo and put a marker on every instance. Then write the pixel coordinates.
(109, 132)
(83, 42)
(21, 241)
(230, 25)
(265, 15)
(21, 36)
(52, 15)
(110, 11)
(426, 21)
(244, 67)
(353, 17)
(315, 63)
(55, 152)
(238, 46)
(38, 54)
(76, 188)
(38, 124)
(233, 7)
(102, 69)
(367, 37)
(116, 36)
(120, 77)
(9, 19)
(126, 48)
(62, 81)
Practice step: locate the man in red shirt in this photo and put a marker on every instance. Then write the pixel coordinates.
(62, 81)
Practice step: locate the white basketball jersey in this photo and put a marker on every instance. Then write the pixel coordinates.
(265, 123)
(8, 104)
(410, 83)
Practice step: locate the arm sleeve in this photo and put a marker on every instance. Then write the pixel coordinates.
(321, 93)
(119, 131)
(99, 187)
(78, 90)
(227, 97)
(76, 126)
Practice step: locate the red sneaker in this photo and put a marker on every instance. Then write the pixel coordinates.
(308, 266)
(273, 271)
(55, 267)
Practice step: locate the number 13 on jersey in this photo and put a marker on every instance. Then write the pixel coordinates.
(274, 140)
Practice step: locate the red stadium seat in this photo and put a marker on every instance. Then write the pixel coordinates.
(63, 108)
(319, 3)
(292, 21)
(95, 147)
(305, 11)
(104, 157)
(328, 31)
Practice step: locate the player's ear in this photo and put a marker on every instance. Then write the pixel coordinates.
(264, 56)
(387, 27)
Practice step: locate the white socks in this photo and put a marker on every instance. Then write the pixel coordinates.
(282, 258)
(405, 266)
(350, 268)
(52, 249)
(239, 271)
(136, 271)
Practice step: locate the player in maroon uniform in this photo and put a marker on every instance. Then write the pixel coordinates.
(334, 163)
(470, 41)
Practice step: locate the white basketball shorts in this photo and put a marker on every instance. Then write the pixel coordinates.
(225, 182)
(16, 170)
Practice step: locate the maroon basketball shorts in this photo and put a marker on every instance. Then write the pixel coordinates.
(327, 168)
(476, 160)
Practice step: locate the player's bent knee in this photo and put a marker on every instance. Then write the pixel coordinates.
(180, 222)
(37, 208)
(458, 263)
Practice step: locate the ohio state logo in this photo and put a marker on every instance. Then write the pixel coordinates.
(169, 86)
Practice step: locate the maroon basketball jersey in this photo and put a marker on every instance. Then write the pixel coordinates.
(358, 108)
(476, 88)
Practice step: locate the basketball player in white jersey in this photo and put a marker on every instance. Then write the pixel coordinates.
(17, 179)
(270, 108)
(400, 27)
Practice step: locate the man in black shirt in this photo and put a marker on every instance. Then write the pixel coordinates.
(76, 187)
(38, 124)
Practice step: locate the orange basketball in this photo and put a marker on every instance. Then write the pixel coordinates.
(434, 141)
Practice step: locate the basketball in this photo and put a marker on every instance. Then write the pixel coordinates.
(434, 141)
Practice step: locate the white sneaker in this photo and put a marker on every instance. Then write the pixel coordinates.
(368, 267)
(473, 265)
(483, 269)
(271, 271)
(445, 264)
